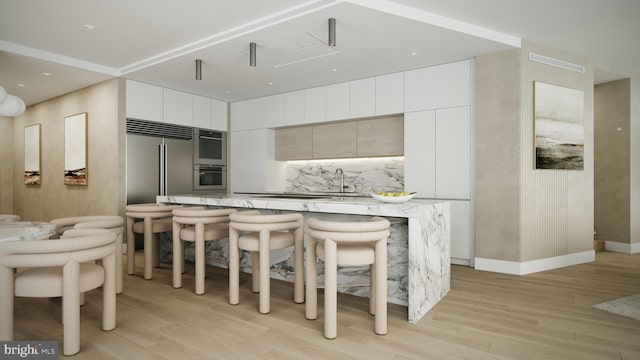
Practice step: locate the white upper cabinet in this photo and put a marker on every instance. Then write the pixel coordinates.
(202, 112)
(177, 107)
(219, 115)
(441, 86)
(362, 98)
(420, 153)
(338, 101)
(144, 101)
(242, 115)
(315, 105)
(273, 112)
(294, 108)
(453, 149)
(390, 94)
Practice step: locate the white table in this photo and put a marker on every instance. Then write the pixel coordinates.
(25, 230)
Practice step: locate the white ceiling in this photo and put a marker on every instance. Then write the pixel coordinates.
(157, 41)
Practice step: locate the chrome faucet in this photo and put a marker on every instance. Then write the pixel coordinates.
(340, 173)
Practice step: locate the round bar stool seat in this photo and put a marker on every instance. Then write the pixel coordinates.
(251, 231)
(149, 220)
(347, 244)
(196, 225)
(114, 223)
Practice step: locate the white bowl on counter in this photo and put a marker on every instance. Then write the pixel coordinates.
(394, 199)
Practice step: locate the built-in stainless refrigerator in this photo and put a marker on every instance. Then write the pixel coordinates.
(159, 160)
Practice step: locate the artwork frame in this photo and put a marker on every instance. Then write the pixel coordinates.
(32, 154)
(75, 149)
(558, 127)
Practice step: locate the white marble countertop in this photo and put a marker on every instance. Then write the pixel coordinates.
(25, 230)
(330, 204)
(428, 233)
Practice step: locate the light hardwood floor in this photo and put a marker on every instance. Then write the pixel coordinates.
(486, 315)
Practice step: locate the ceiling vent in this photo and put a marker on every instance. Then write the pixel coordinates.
(294, 49)
(556, 62)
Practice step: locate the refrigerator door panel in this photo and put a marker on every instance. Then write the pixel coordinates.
(179, 167)
(142, 169)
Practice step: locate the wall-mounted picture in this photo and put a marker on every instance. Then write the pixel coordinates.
(32, 154)
(559, 128)
(75, 149)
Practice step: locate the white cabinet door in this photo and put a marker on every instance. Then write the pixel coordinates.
(390, 94)
(294, 108)
(461, 232)
(241, 114)
(453, 151)
(420, 153)
(202, 112)
(315, 105)
(338, 101)
(362, 98)
(253, 168)
(177, 107)
(435, 87)
(273, 112)
(242, 172)
(219, 113)
(144, 101)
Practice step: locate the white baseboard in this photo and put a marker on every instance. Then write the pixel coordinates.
(457, 261)
(626, 248)
(533, 266)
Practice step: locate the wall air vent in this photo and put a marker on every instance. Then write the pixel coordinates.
(555, 62)
(157, 129)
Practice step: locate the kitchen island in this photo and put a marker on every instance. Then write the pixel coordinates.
(420, 229)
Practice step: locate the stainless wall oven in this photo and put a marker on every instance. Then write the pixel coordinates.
(209, 177)
(209, 147)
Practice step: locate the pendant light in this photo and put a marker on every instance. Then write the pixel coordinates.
(252, 54)
(198, 69)
(332, 32)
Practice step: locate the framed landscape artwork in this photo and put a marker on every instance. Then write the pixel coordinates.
(75, 149)
(32, 154)
(559, 127)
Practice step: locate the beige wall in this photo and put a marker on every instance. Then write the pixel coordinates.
(523, 214)
(635, 158)
(497, 160)
(556, 208)
(6, 165)
(104, 193)
(612, 161)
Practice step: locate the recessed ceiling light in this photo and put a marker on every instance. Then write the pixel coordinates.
(46, 73)
(270, 83)
(414, 53)
(334, 69)
(22, 85)
(227, 92)
(89, 27)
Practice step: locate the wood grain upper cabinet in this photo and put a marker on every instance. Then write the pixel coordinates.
(336, 140)
(381, 137)
(293, 143)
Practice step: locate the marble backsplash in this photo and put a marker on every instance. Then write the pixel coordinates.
(360, 175)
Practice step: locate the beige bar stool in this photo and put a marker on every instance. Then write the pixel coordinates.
(156, 218)
(60, 268)
(196, 225)
(114, 223)
(251, 231)
(347, 244)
